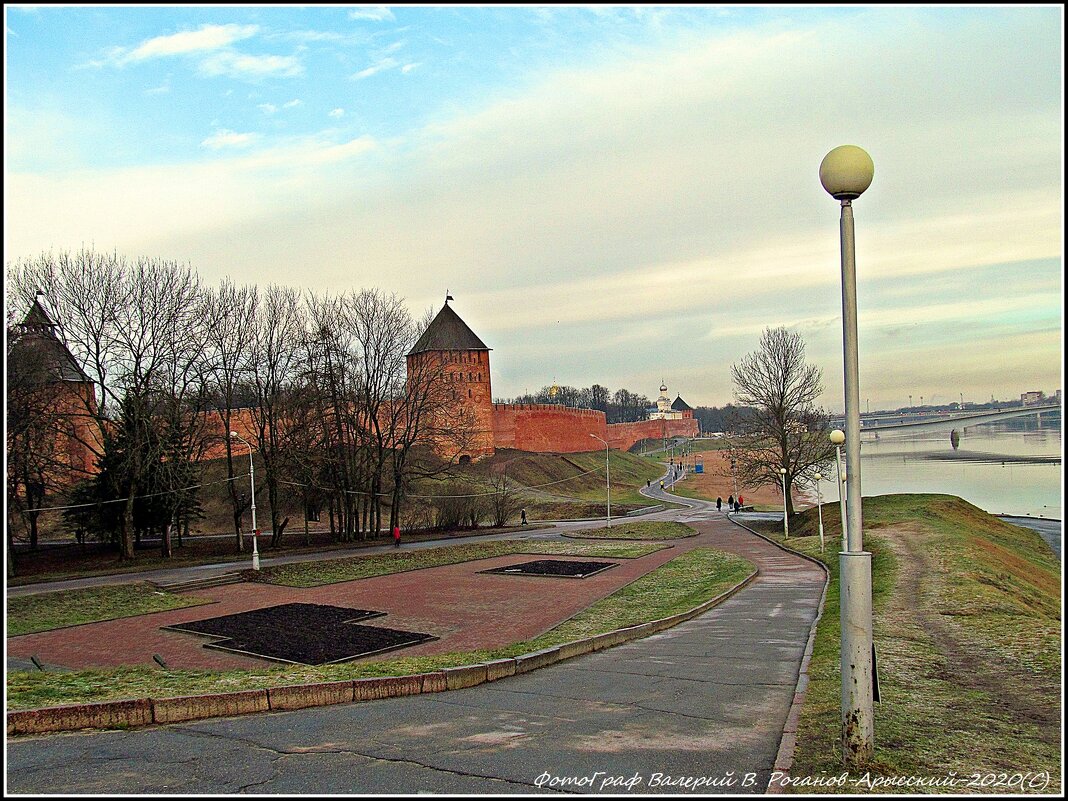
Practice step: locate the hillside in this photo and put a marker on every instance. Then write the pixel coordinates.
(968, 634)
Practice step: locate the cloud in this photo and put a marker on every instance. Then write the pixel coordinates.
(206, 38)
(239, 65)
(225, 138)
(292, 103)
(383, 64)
(267, 108)
(337, 113)
(372, 13)
(409, 67)
(672, 191)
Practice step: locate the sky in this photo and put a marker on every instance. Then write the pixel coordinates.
(619, 195)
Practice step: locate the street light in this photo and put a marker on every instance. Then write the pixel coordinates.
(837, 438)
(819, 508)
(845, 173)
(785, 521)
(252, 479)
(607, 478)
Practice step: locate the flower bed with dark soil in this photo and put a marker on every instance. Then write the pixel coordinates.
(555, 568)
(306, 634)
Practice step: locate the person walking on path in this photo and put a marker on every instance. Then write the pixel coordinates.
(719, 504)
(396, 536)
(741, 501)
(522, 517)
(730, 503)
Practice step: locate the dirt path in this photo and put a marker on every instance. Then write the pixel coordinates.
(1007, 693)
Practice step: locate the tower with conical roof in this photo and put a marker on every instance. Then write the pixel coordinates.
(450, 356)
(46, 371)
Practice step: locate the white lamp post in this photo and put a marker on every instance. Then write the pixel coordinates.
(819, 508)
(785, 520)
(845, 173)
(837, 438)
(252, 479)
(607, 478)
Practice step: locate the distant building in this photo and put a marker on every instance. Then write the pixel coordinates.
(1032, 398)
(665, 410)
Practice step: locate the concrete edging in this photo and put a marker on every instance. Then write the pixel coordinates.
(146, 711)
(784, 757)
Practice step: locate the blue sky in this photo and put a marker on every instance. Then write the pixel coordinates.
(616, 195)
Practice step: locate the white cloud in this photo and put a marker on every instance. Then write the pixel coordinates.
(239, 65)
(383, 64)
(373, 13)
(337, 113)
(226, 138)
(207, 37)
(409, 67)
(292, 103)
(673, 185)
(267, 108)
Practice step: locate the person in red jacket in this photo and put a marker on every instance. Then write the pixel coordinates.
(396, 536)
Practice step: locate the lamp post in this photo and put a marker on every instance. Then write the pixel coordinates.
(837, 438)
(785, 520)
(252, 479)
(819, 508)
(607, 478)
(845, 173)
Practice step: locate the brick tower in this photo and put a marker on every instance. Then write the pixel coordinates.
(450, 354)
(60, 394)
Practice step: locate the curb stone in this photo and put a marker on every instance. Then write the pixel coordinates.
(146, 711)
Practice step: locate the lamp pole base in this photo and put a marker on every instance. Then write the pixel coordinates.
(858, 725)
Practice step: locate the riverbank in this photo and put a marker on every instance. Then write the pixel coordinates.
(968, 635)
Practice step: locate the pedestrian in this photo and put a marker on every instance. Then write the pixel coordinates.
(730, 503)
(741, 501)
(522, 517)
(661, 485)
(737, 506)
(396, 536)
(719, 504)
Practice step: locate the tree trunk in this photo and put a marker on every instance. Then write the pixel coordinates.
(126, 534)
(165, 541)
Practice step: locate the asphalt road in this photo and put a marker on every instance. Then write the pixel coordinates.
(703, 702)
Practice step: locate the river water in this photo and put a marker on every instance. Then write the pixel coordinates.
(1010, 467)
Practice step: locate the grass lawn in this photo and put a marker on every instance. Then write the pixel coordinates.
(679, 585)
(27, 614)
(968, 633)
(332, 571)
(652, 530)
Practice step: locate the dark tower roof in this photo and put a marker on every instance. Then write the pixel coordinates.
(680, 405)
(38, 335)
(447, 332)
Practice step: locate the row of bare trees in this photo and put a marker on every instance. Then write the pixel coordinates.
(337, 422)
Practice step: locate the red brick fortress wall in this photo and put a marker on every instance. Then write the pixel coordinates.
(547, 428)
(623, 435)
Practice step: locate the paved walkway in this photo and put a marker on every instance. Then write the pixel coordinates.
(699, 700)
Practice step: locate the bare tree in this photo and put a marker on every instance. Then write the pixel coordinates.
(232, 310)
(277, 341)
(786, 430)
(132, 329)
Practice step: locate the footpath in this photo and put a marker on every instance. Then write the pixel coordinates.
(707, 700)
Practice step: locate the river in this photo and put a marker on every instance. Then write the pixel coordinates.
(1009, 467)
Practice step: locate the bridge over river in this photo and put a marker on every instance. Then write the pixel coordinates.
(872, 425)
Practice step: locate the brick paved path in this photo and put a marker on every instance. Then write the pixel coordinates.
(458, 604)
